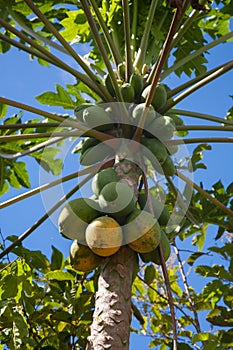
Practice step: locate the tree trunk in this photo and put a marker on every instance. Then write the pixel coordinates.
(112, 316)
(110, 328)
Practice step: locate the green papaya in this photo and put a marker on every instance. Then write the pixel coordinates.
(75, 216)
(103, 178)
(168, 167)
(154, 150)
(88, 143)
(97, 118)
(160, 96)
(109, 85)
(161, 212)
(78, 112)
(127, 92)
(137, 113)
(121, 69)
(96, 154)
(137, 83)
(117, 199)
(154, 255)
(162, 128)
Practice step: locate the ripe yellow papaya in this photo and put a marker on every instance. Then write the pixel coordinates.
(153, 256)
(141, 231)
(104, 236)
(82, 257)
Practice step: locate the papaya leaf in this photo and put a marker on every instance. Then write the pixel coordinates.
(3, 108)
(60, 98)
(57, 259)
(220, 316)
(193, 257)
(21, 173)
(59, 275)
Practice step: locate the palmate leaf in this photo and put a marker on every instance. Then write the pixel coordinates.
(61, 98)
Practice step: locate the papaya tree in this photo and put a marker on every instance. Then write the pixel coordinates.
(134, 217)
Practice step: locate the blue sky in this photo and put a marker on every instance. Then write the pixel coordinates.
(22, 80)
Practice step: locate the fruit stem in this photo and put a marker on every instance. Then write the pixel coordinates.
(142, 50)
(112, 47)
(128, 53)
(196, 53)
(45, 216)
(201, 116)
(205, 194)
(91, 169)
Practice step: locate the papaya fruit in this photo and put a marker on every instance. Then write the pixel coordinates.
(137, 113)
(153, 256)
(127, 91)
(121, 69)
(89, 142)
(117, 199)
(109, 85)
(137, 83)
(154, 150)
(141, 231)
(78, 112)
(160, 96)
(75, 216)
(161, 212)
(96, 154)
(162, 128)
(104, 236)
(97, 118)
(168, 167)
(101, 179)
(82, 257)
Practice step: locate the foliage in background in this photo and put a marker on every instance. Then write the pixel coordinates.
(46, 304)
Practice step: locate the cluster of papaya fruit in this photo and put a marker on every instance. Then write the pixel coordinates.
(113, 217)
(157, 128)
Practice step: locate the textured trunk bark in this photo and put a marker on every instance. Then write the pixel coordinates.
(110, 328)
(112, 316)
